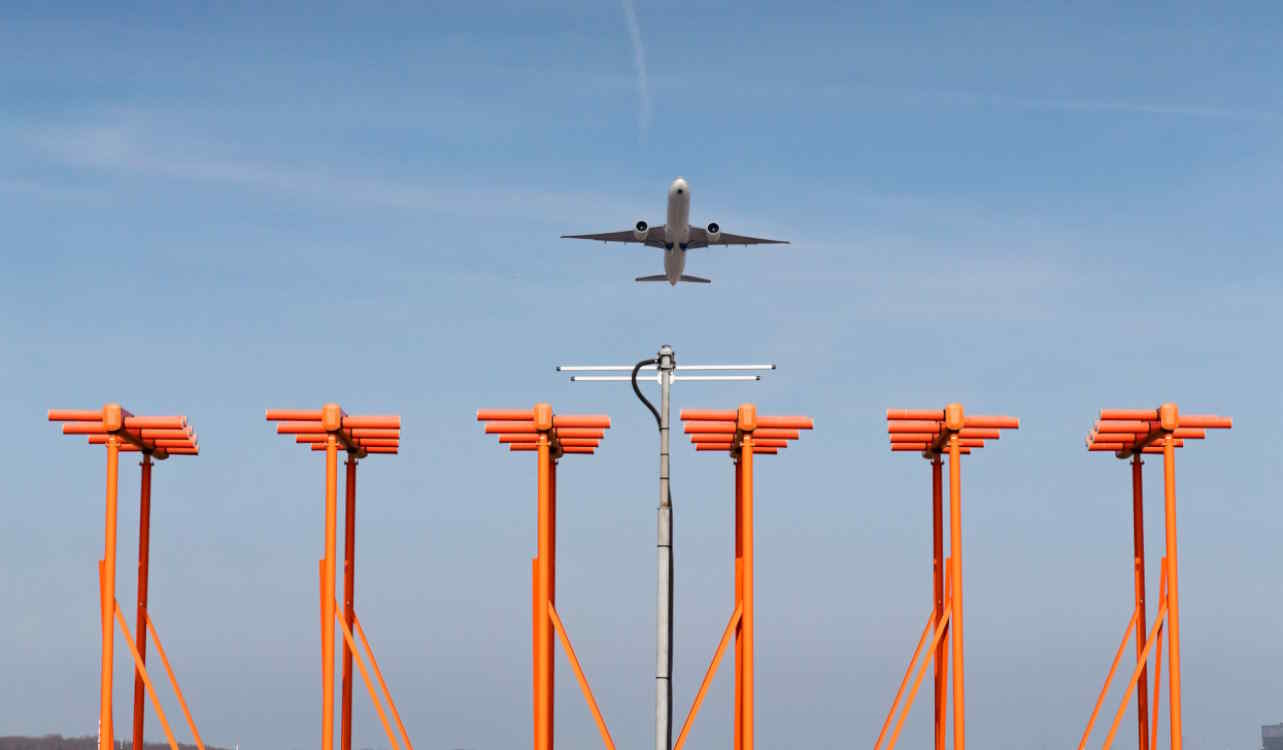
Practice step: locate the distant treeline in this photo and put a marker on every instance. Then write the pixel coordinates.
(58, 742)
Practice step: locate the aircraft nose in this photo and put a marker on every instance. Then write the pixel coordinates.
(679, 186)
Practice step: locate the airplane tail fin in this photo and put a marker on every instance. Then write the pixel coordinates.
(696, 279)
(657, 277)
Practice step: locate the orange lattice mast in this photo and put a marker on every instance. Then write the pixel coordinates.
(1128, 434)
(743, 433)
(156, 438)
(330, 429)
(550, 437)
(934, 433)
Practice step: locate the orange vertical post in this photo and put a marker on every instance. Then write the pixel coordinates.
(550, 437)
(329, 430)
(747, 417)
(737, 718)
(937, 591)
(140, 620)
(1173, 592)
(349, 598)
(157, 438)
(1138, 546)
(543, 574)
(1128, 434)
(551, 598)
(932, 433)
(107, 598)
(953, 420)
(742, 433)
(327, 587)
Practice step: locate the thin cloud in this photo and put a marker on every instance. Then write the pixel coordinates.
(639, 62)
(139, 152)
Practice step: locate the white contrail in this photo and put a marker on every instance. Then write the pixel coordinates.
(639, 62)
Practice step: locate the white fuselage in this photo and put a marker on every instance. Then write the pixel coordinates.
(677, 229)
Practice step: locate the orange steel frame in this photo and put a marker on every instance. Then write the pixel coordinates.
(550, 437)
(742, 433)
(156, 438)
(331, 429)
(1129, 434)
(934, 433)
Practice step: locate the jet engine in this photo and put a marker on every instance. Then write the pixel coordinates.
(714, 233)
(640, 230)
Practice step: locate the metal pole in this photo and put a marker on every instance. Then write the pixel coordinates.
(107, 598)
(1138, 542)
(937, 591)
(140, 620)
(349, 599)
(1173, 596)
(664, 555)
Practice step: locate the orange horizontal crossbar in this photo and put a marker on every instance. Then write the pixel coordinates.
(373, 421)
(1210, 421)
(916, 414)
(727, 428)
(494, 428)
(505, 415)
(300, 428)
(1120, 445)
(1129, 414)
(788, 423)
(709, 415)
(932, 428)
(577, 449)
(75, 415)
(294, 415)
(164, 423)
(599, 421)
(531, 438)
(1002, 423)
(375, 432)
(757, 442)
(579, 432)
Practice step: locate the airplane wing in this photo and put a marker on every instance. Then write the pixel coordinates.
(699, 238)
(655, 238)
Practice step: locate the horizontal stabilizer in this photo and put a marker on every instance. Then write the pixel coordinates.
(696, 279)
(659, 277)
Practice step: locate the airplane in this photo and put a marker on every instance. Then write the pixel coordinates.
(676, 237)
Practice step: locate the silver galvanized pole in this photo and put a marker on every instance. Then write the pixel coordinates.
(664, 555)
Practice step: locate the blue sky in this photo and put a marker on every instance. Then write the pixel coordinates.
(1039, 212)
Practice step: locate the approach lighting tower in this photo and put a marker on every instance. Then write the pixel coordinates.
(666, 372)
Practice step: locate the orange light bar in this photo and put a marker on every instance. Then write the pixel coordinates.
(936, 415)
(707, 415)
(929, 430)
(293, 415)
(160, 436)
(721, 430)
(599, 421)
(520, 429)
(505, 415)
(359, 435)
(788, 423)
(1126, 432)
